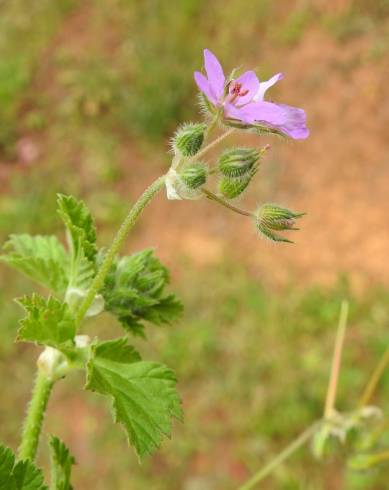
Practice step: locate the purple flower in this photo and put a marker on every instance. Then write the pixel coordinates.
(242, 99)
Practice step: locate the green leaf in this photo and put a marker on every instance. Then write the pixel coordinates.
(7, 460)
(23, 475)
(134, 292)
(48, 322)
(80, 225)
(61, 465)
(144, 394)
(82, 241)
(42, 258)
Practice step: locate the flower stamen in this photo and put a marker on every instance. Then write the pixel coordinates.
(236, 91)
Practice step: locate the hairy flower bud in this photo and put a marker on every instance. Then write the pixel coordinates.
(232, 187)
(194, 175)
(237, 162)
(189, 138)
(177, 189)
(270, 218)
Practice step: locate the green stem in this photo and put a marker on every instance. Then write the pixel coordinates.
(374, 379)
(280, 458)
(43, 386)
(215, 142)
(121, 235)
(34, 418)
(226, 204)
(212, 125)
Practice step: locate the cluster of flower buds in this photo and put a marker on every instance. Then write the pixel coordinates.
(187, 174)
(238, 103)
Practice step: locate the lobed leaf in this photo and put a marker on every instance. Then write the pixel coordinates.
(61, 465)
(82, 240)
(42, 258)
(48, 322)
(144, 394)
(80, 225)
(23, 475)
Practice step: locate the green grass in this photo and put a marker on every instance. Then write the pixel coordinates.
(253, 368)
(361, 17)
(25, 33)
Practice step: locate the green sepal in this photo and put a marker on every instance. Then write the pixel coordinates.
(233, 187)
(189, 138)
(237, 162)
(194, 175)
(271, 218)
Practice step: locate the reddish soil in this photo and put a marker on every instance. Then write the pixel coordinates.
(340, 175)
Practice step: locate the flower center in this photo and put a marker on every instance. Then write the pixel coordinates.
(236, 90)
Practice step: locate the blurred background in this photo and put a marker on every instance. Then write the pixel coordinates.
(90, 93)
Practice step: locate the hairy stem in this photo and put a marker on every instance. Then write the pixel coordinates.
(121, 235)
(214, 143)
(34, 418)
(280, 458)
(226, 204)
(374, 379)
(43, 386)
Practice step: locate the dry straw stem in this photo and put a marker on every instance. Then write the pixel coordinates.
(374, 379)
(280, 458)
(336, 361)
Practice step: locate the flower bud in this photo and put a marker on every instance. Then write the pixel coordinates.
(270, 218)
(237, 162)
(232, 187)
(177, 189)
(194, 175)
(189, 138)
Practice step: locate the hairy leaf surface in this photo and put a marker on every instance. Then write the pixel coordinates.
(48, 322)
(80, 225)
(23, 475)
(61, 465)
(42, 258)
(144, 394)
(82, 240)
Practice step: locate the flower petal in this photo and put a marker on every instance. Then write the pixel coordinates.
(205, 87)
(250, 83)
(263, 86)
(215, 74)
(287, 119)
